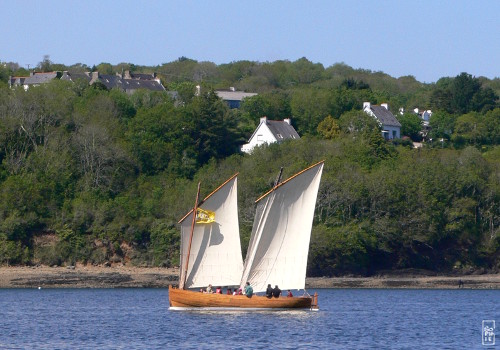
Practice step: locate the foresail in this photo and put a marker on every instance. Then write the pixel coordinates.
(279, 245)
(215, 256)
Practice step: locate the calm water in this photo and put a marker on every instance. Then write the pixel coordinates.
(348, 319)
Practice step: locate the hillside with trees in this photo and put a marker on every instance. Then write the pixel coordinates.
(98, 176)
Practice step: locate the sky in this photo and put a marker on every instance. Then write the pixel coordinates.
(428, 39)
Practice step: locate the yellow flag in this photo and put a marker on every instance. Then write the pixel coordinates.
(204, 216)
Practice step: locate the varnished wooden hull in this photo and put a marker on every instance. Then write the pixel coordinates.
(179, 298)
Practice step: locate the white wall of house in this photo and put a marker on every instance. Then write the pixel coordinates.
(261, 136)
(391, 132)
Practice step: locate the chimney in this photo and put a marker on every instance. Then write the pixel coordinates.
(366, 105)
(126, 75)
(95, 77)
(232, 88)
(385, 105)
(287, 120)
(263, 120)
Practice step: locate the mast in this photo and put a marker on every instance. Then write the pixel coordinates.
(278, 179)
(214, 247)
(183, 278)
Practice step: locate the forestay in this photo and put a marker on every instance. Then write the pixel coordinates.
(279, 244)
(215, 256)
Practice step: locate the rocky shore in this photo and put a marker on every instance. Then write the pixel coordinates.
(136, 277)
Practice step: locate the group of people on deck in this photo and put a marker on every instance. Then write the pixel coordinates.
(248, 291)
(276, 292)
(218, 290)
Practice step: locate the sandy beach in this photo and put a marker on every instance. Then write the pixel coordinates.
(136, 277)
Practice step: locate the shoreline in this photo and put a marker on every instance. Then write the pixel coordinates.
(81, 276)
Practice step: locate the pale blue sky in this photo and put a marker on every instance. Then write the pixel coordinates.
(426, 39)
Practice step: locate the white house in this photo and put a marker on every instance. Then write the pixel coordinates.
(270, 131)
(391, 128)
(425, 115)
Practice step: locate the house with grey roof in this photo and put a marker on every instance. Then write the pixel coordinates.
(74, 76)
(127, 83)
(391, 128)
(232, 97)
(270, 131)
(35, 79)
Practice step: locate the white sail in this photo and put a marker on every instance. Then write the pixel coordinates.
(215, 256)
(279, 245)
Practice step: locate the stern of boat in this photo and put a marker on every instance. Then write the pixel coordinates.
(314, 303)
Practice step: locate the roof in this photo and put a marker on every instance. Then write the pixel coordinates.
(234, 95)
(113, 81)
(75, 76)
(143, 76)
(282, 130)
(40, 78)
(384, 116)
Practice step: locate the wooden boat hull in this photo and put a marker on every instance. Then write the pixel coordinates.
(180, 298)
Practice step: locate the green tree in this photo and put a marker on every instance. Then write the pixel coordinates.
(411, 125)
(309, 107)
(214, 134)
(469, 130)
(357, 121)
(442, 125)
(329, 128)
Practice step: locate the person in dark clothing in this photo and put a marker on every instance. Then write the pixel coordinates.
(269, 291)
(276, 292)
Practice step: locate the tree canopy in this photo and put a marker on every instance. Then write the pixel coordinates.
(92, 175)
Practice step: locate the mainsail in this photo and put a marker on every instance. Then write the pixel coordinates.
(279, 245)
(215, 256)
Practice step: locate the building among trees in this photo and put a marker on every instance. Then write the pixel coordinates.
(232, 97)
(391, 128)
(34, 79)
(270, 131)
(127, 82)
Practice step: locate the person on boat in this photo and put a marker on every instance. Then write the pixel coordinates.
(240, 292)
(235, 291)
(209, 289)
(248, 290)
(276, 292)
(289, 294)
(269, 291)
(229, 292)
(218, 290)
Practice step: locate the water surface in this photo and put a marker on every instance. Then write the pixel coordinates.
(348, 319)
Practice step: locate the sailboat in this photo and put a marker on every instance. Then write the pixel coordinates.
(277, 252)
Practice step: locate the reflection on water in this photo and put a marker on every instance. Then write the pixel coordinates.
(348, 319)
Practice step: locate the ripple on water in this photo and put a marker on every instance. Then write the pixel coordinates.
(348, 319)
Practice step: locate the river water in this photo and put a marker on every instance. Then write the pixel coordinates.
(348, 319)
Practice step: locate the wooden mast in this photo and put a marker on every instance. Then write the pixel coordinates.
(183, 278)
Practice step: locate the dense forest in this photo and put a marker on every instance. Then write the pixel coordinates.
(96, 176)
